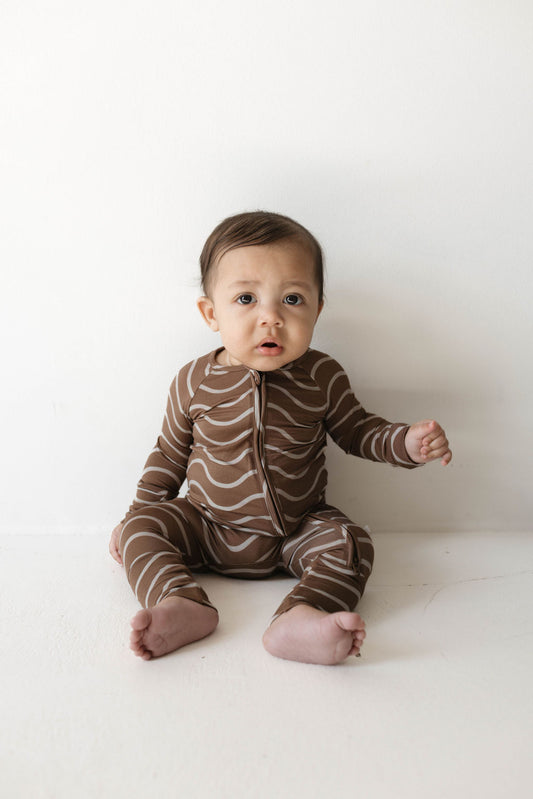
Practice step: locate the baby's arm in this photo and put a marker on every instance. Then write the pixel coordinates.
(426, 441)
(166, 466)
(369, 436)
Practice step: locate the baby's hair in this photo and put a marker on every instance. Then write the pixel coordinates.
(255, 228)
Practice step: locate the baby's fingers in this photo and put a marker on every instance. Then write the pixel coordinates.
(443, 452)
(435, 443)
(446, 458)
(436, 434)
(113, 544)
(115, 554)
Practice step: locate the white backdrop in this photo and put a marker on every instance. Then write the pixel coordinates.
(399, 133)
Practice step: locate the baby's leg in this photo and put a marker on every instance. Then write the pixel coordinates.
(158, 545)
(316, 623)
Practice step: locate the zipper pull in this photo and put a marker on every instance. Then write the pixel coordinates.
(257, 376)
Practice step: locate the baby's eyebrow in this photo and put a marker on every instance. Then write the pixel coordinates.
(300, 283)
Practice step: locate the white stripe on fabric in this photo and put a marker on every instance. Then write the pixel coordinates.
(165, 590)
(286, 435)
(212, 458)
(397, 457)
(228, 389)
(296, 476)
(329, 596)
(298, 456)
(298, 498)
(314, 370)
(232, 570)
(156, 578)
(158, 469)
(138, 535)
(199, 406)
(333, 580)
(318, 408)
(214, 482)
(351, 412)
(244, 434)
(212, 504)
(239, 547)
(230, 422)
(143, 572)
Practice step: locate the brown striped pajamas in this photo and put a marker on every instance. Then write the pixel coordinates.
(251, 446)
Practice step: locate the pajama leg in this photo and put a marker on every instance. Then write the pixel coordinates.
(159, 545)
(332, 556)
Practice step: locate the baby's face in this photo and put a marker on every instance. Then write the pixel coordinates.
(264, 303)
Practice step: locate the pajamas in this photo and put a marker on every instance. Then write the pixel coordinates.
(251, 446)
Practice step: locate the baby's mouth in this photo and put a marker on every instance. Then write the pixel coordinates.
(270, 347)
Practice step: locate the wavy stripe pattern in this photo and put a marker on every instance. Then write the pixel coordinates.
(252, 448)
(331, 557)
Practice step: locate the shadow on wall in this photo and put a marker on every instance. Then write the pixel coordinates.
(405, 367)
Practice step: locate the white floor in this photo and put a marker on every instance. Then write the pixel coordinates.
(439, 705)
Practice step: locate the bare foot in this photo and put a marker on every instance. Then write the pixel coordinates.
(309, 635)
(176, 621)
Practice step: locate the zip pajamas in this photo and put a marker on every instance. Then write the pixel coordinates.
(251, 446)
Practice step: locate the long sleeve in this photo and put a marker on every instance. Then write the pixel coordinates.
(354, 429)
(166, 466)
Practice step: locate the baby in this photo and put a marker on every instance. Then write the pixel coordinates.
(246, 426)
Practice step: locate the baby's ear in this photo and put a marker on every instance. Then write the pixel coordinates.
(207, 309)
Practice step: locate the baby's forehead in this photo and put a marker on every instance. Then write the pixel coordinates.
(243, 274)
(284, 259)
(283, 256)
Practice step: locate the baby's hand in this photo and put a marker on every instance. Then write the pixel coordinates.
(426, 441)
(113, 544)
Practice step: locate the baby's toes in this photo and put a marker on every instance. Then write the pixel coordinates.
(138, 648)
(358, 638)
(141, 621)
(136, 637)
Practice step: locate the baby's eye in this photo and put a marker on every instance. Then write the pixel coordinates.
(245, 299)
(293, 299)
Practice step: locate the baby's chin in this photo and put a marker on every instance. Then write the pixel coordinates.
(271, 363)
(261, 360)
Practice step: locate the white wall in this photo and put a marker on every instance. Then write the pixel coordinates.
(400, 133)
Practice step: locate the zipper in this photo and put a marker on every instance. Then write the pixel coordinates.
(259, 442)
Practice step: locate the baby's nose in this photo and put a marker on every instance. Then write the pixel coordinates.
(270, 316)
